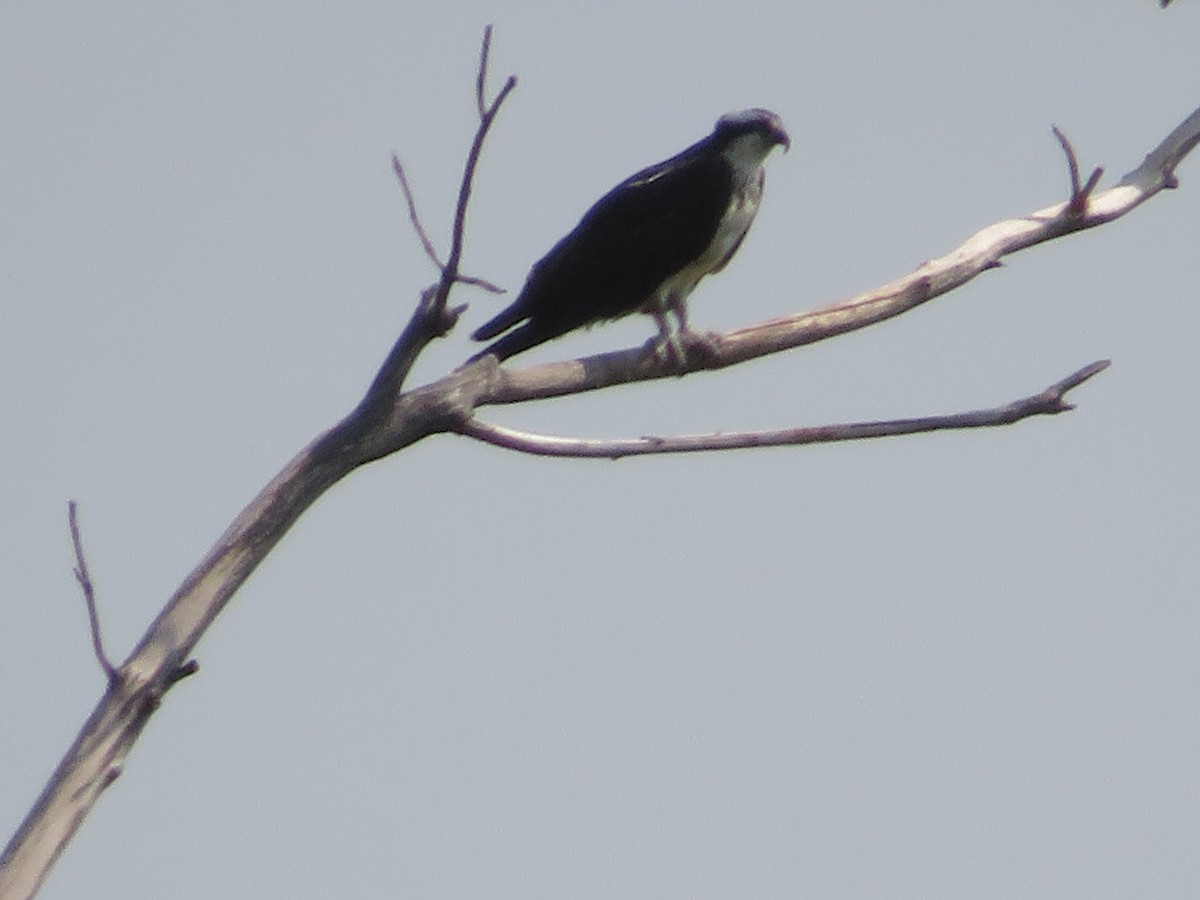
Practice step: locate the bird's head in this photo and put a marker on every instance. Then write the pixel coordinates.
(760, 126)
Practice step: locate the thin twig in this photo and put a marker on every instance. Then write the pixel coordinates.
(487, 114)
(1047, 402)
(481, 283)
(485, 51)
(415, 219)
(423, 235)
(89, 594)
(449, 269)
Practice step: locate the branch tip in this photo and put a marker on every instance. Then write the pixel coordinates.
(481, 77)
(1075, 379)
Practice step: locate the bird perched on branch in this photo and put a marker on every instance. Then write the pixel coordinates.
(646, 243)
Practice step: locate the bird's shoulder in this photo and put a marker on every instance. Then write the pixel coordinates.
(692, 178)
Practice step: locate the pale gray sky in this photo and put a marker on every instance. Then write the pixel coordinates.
(960, 665)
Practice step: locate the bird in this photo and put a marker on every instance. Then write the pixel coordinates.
(646, 244)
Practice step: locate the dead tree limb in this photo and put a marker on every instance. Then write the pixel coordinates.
(389, 419)
(161, 658)
(1048, 402)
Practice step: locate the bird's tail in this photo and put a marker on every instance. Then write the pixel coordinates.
(528, 335)
(502, 322)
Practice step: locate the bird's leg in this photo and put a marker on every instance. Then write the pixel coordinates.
(688, 340)
(668, 346)
(680, 310)
(671, 340)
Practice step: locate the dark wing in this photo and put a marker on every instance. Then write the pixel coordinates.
(640, 233)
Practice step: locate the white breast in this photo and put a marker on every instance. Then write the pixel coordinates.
(745, 155)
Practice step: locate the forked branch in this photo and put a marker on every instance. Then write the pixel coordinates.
(1077, 204)
(423, 236)
(433, 318)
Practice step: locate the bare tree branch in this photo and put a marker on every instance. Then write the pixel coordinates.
(89, 593)
(432, 318)
(160, 660)
(1048, 402)
(389, 419)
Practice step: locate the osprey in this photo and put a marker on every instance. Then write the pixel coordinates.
(646, 243)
